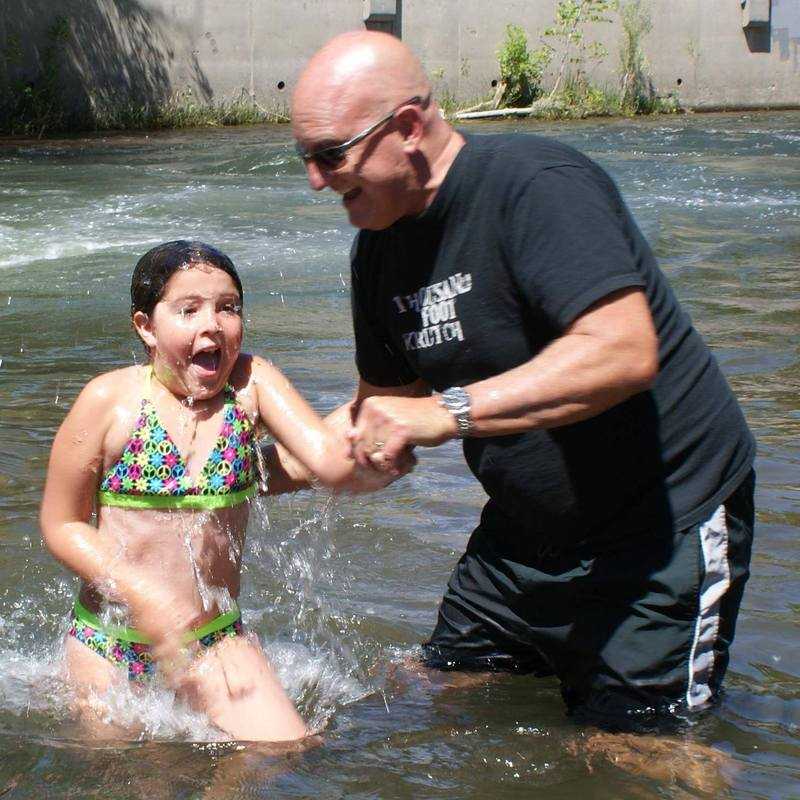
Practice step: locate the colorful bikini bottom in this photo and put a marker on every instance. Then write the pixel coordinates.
(126, 647)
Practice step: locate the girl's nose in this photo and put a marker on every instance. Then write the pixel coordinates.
(209, 320)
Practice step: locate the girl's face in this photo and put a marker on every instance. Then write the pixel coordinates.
(195, 331)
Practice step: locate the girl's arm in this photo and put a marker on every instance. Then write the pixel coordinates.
(73, 475)
(309, 449)
(287, 474)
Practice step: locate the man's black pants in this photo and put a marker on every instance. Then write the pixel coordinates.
(643, 627)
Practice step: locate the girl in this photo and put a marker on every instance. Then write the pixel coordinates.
(167, 455)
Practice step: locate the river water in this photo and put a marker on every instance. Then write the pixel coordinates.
(341, 592)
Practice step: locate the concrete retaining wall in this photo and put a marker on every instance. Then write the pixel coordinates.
(147, 50)
(696, 49)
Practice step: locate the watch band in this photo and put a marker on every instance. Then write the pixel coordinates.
(457, 401)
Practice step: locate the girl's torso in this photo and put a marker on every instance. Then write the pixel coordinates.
(174, 488)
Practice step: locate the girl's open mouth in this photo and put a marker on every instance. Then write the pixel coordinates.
(206, 361)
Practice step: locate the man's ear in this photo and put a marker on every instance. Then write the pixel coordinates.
(144, 328)
(410, 124)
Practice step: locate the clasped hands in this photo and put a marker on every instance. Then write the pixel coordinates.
(385, 429)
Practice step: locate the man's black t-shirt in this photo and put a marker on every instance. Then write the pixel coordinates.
(522, 237)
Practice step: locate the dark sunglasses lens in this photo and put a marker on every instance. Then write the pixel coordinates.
(329, 159)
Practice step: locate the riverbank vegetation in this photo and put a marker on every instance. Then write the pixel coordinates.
(35, 114)
(550, 81)
(566, 55)
(185, 110)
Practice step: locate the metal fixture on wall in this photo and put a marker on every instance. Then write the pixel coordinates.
(383, 15)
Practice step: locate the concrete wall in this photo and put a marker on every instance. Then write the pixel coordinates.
(148, 50)
(696, 49)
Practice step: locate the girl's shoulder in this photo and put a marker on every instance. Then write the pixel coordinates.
(247, 378)
(116, 384)
(249, 370)
(111, 395)
(105, 408)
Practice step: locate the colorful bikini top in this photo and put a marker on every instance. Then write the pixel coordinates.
(151, 472)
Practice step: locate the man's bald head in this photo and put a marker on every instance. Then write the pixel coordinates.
(359, 73)
(368, 129)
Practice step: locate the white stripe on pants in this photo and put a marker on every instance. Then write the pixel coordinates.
(716, 582)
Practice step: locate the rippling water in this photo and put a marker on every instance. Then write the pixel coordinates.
(341, 592)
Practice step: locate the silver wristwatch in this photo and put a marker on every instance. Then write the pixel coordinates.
(457, 401)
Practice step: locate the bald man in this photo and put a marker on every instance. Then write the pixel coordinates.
(502, 294)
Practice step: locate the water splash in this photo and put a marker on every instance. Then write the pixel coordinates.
(320, 664)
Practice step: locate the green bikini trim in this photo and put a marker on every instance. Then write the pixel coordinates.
(82, 614)
(204, 501)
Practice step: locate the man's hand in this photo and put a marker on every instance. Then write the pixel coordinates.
(287, 474)
(385, 427)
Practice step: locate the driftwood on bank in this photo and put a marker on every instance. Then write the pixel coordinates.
(488, 104)
(545, 104)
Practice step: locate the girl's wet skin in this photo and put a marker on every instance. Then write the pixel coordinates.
(197, 553)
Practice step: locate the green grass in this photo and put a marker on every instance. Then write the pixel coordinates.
(39, 116)
(184, 111)
(578, 100)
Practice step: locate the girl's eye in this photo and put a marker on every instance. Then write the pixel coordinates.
(232, 308)
(187, 311)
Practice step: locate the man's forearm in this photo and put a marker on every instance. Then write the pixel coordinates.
(608, 355)
(573, 379)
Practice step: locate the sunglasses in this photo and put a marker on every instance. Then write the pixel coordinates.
(333, 157)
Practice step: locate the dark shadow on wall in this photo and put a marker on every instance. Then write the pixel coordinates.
(759, 39)
(92, 56)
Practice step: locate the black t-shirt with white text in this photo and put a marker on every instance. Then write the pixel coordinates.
(522, 237)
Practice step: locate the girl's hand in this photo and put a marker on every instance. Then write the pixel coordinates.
(374, 477)
(164, 618)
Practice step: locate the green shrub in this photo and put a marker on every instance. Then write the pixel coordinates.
(568, 33)
(520, 69)
(637, 90)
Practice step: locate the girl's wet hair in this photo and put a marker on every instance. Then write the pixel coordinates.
(154, 269)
